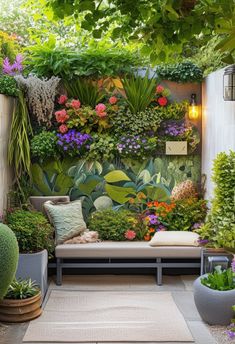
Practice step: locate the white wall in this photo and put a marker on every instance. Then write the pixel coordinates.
(6, 106)
(218, 124)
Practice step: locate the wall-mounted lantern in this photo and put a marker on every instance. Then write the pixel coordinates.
(193, 111)
(229, 83)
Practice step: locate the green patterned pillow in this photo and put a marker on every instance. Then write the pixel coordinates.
(67, 219)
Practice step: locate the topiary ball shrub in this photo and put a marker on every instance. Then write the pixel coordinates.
(112, 225)
(44, 146)
(9, 255)
(33, 232)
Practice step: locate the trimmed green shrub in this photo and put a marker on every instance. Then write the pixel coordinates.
(110, 224)
(219, 229)
(8, 86)
(180, 72)
(32, 230)
(9, 255)
(44, 145)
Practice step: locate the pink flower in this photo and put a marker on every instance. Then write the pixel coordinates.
(100, 108)
(113, 100)
(130, 234)
(159, 89)
(162, 101)
(7, 67)
(102, 114)
(63, 128)
(63, 99)
(61, 116)
(75, 104)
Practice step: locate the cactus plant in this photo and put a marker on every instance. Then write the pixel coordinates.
(9, 254)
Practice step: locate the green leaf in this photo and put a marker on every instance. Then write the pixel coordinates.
(116, 176)
(119, 194)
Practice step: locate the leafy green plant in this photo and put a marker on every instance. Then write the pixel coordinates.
(9, 254)
(51, 178)
(175, 111)
(220, 279)
(103, 147)
(180, 72)
(148, 120)
(19, 146)
(8, 85)
(85, 90)
(112, 225)
(139, 91)
(9, 46)
(22, 289)
(44, 146)
(47, 59)
(32, 230)
(219, 228)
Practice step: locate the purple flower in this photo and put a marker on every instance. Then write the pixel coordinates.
(16, 67)
(153, 220)
(230, 333)
(7, 68)
(233, 266)
(203, 241)
(75, 143)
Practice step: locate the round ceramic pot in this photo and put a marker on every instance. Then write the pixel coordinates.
(20, 310)
(214, 306)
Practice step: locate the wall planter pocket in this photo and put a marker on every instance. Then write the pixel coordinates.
(34, 266)
(176, 148)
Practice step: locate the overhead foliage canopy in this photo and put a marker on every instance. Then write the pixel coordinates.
(164, 27)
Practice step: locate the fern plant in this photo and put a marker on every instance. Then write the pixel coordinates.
(139, 92)
(19, 146)
(85, 90)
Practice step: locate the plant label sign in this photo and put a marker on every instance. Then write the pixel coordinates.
(176, 148)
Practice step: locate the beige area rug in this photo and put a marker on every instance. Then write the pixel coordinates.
(75, 316)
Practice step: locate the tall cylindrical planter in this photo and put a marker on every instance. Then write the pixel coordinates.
(6, 109)
(34, 266)
(214, 306)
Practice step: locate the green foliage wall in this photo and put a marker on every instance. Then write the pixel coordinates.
(119, 180)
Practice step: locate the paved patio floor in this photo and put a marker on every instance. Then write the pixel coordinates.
(179, 286)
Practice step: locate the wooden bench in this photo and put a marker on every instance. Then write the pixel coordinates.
(153, 257)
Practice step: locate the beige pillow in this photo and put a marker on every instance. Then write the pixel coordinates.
(67, 219)
(174, 238)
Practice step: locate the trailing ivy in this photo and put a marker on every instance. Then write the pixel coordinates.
(180, 72)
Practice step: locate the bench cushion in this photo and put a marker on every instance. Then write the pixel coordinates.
(125, 249)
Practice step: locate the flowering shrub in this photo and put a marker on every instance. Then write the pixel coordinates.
(84, 118)
(74, 143)
(136, 146)
(176, 216)
(161, 95)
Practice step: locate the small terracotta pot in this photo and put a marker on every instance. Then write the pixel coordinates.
(20, 310)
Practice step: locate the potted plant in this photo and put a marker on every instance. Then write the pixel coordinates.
(214, 296)
(35, 239)
(22, 302)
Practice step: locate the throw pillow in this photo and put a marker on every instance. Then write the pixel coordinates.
(174, 238)
(67, 219)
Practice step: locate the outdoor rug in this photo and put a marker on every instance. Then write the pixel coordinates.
(78, 316)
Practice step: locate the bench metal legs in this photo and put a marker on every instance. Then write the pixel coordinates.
(58, 271)
(159, 272)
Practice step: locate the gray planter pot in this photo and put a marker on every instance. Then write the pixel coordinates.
(214, 306)
(38, 201)
(34, 266)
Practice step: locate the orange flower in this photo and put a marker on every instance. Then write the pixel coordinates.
(151, 230)
(131, 200)
(147, 237)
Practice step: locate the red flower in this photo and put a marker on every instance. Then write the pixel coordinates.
(130, 234)
(63, 99)
(61, 116)
(162, 101)
(75, 104)
(100, 110)
(63, 128)
(113, 100)
(159, 89)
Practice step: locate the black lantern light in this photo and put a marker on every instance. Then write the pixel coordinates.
(229, 83)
